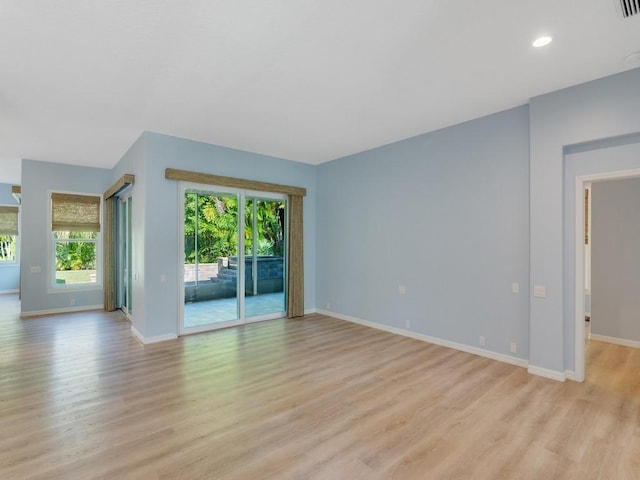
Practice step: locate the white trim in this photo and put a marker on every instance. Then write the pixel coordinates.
(518, 362)
(241, 195)
(180, 258)
(242, 273)
(615, 340)
(571, 375)
(54, 311)
(156, 339)
(3, 292)
(611, 175)
(578, 293)
(310, 311)
(546, 373)
(580, 183)
(52, 286)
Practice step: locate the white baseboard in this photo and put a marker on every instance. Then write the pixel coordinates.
(618, 341)
(546, 373)
(148, 340)
(310, 311)
(54, 311)
(6, 292)
(519, 362)
(571, 375)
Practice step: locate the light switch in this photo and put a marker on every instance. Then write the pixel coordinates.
(539, 291)
(36, 269)
(515, 287)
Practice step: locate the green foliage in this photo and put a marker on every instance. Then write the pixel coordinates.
(7, 248)
(217, 227)
(269, 227)
(74, 252)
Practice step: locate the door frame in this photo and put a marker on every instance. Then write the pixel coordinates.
(122, 229)
(242, 195)
(579, 219)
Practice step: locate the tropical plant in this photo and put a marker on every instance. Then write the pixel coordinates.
(72, 253)
(7, 248)
(211, 227)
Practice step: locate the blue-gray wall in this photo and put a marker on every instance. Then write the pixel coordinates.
(159, 230)
(619, 154)
(615, 259)
(586, 113)
(455, 216)
(134, 162)
(38, 178)
(9, 274)
(444, 214)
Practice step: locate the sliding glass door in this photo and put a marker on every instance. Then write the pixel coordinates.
(233, 257)
(123, 277)
(264, 256)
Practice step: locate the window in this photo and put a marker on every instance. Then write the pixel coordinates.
(8, 235)
(75, 226)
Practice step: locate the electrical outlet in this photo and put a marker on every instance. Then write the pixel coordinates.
(402, 290)
(72, 301)
(514, 347)
(407, 324)
(328, 306)
(539, 291)
(515, 287)
(482, 341)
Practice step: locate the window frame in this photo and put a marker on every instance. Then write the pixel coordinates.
(16, 262)
(54, 287)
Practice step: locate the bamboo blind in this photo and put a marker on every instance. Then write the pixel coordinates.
(8, 220)
(75, 213)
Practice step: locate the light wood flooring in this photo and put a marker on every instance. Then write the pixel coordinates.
(316, 398)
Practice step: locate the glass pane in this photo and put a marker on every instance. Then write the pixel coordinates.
(128, 258)
(264, 264)
(8, 248)
(75, 257)
(210, 258)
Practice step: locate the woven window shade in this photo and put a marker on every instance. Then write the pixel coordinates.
(75, 213)
(8, 220)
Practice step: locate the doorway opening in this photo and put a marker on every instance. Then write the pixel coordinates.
(582, 302)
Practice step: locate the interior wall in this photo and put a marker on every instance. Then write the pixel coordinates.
(9, 274)
(162, 265)
(38, 178)
(616, 154)
(597, 110)
(616, 259)
(445, 215)
(133, 161)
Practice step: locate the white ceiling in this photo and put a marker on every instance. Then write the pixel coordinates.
(306, 80)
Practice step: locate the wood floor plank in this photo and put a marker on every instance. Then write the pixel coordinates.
(316, 398)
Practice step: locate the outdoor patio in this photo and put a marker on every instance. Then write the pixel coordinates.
(225, 309)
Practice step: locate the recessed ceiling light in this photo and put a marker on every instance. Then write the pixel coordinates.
(541, 41)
